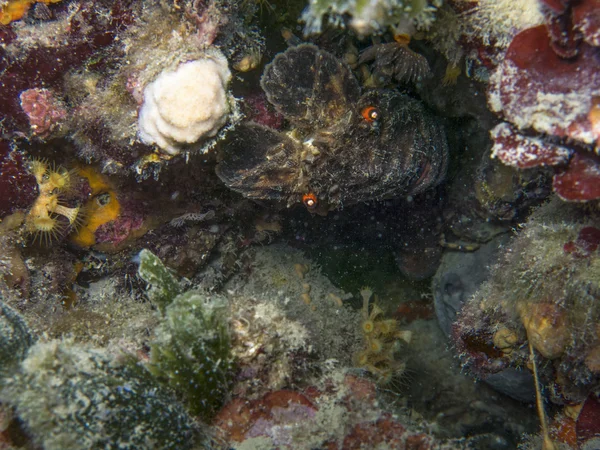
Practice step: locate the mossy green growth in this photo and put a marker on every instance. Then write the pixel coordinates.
(163, 287)
(191, 350)
(72, 397)
(15, 340)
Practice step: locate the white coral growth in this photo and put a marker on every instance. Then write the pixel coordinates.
(186, 105)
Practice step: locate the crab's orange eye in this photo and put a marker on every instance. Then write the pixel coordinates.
(309, 200)
(370, 113)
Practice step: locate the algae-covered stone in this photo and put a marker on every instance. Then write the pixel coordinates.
(15, 340)
(73, 397)
(545, 289)
(192, 350)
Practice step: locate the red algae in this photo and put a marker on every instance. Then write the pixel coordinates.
(536, 88)
(240, 420)
(551, 88)
(586, 19)
(564, 39)
(580, 181)
(587, 242)
(524, 152)
(588, 422)
(283, 417)
(18, 187)
(45, 66)
(259, 110)
(413, 310)
(384, 431)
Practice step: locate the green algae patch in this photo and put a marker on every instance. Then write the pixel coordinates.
(191, 350)
(162, 285)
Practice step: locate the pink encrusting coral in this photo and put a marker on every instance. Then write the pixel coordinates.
(44, 110)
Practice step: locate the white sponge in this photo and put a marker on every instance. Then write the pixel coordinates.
(186, 105)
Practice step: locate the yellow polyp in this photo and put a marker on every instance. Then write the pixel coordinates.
(11, 222)
(405, 336)
(306, 298)
(38, 168)
(46, 228)
(381, 337)
(42, 224)
(48, 201)
(41, 220)
(247, 63)
(51, 182)
(38, 209)
(375, 346)
(60, 179)
(451, 75)
(368, 326)
(386, 327)
(336, 299)
(16, 9)
(103, 207)
(69, 213)
(362, 358)
(385, 376)
(376, 311)
(150, 160)
(373, 369)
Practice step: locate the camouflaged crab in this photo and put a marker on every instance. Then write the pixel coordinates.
(344, 147)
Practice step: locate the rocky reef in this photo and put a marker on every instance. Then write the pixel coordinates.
(293, 224)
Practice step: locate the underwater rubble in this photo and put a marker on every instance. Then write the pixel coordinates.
(286, 224)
